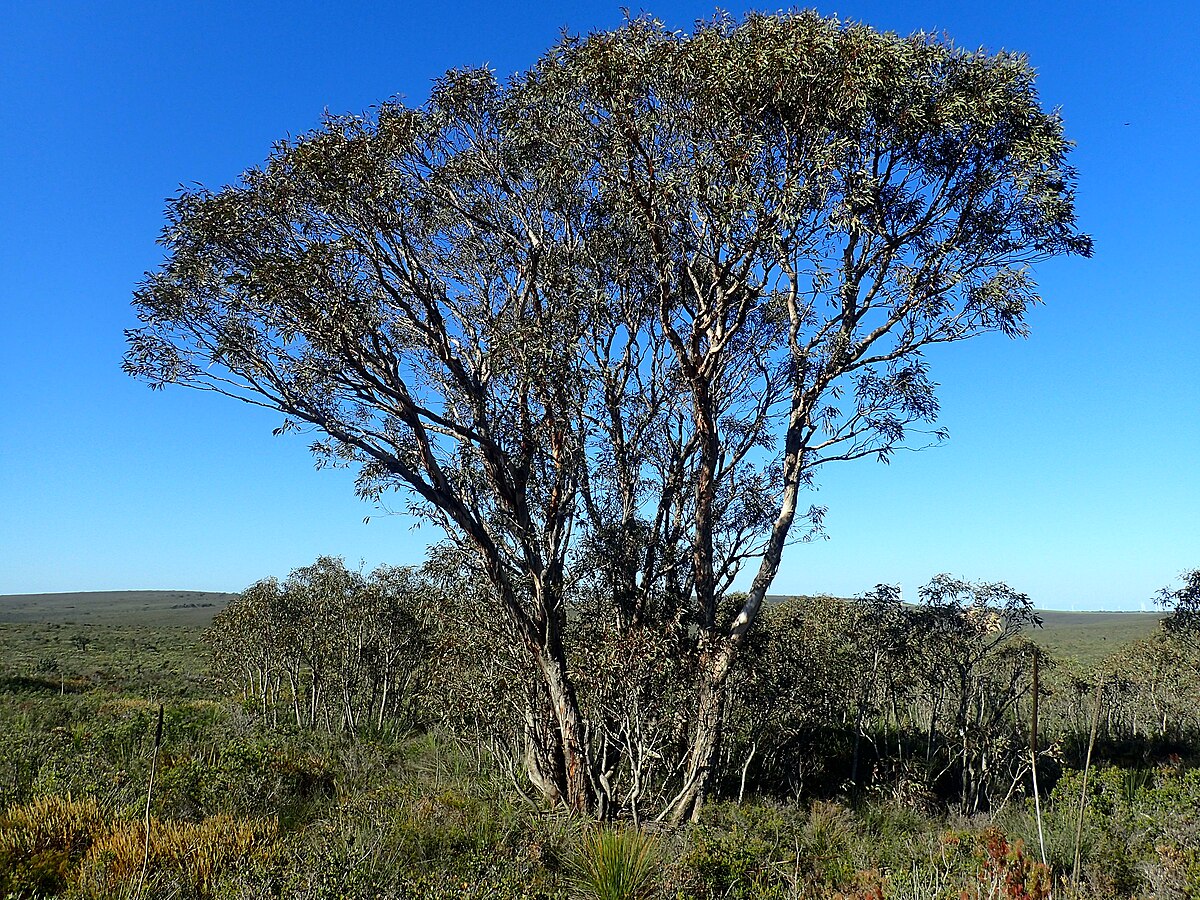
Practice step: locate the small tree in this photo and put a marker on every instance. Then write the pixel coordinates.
(341, 649)
(973, 672)
(249, 646)
(1184, 603)
(1154, 684)
(631, 299)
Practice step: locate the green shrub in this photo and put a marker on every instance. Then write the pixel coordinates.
(715, 863)
(390, 846)
(247, 776)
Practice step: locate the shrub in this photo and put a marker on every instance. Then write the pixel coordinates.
(248, 777)
(729, 862)
(1006, 872)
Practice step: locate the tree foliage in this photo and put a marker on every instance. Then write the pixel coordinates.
(1184, 604)
(871, 692)
(603, 322)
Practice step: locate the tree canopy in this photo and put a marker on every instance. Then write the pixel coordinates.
(603, 321)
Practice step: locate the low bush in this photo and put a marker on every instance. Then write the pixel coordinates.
(188, 856)
(55, 845)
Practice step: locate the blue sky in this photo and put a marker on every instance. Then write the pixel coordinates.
(1071, 472)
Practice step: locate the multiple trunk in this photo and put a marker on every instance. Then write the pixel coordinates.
(742, 217)
(561, 764)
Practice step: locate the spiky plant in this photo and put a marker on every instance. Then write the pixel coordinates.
(42, 842)
(615, 864)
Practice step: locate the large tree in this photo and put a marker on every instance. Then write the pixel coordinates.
(603, 322)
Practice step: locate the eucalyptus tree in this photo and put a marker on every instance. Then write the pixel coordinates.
(483, 686)
(629, 299)
(334, 605)
(795, 694)
(396, 652)
(249, 645)
(1153, 686)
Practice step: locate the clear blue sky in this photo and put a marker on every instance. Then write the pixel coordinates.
(1071, 471)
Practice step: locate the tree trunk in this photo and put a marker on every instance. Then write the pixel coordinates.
(746, 770)
(712, 674)
(575, 772)
(542, 760)
(295, 699)
(383, 699)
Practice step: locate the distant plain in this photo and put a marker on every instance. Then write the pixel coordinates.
(1086, 636)
(189, 608)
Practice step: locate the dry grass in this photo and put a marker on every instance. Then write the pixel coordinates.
(50, 823)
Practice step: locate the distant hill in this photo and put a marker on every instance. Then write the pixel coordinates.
(192, 608)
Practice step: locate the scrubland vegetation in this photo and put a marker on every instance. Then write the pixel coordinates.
(351, 736)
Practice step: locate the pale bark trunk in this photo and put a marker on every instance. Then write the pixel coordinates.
(295, 699)
(717, 657)
(715, 662)
(542, 762)
(576, 785)
(383, 700)
(746, 770)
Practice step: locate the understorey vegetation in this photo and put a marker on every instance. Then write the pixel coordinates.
(876, 749)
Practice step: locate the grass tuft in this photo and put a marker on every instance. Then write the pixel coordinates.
(615, 864)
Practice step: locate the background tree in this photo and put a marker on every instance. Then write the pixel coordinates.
(973, 670)
(248, 645)
(336, 649)
(1153, 686)
(631, 299)
(795, 695)
(869, 693)
(1184, 604)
